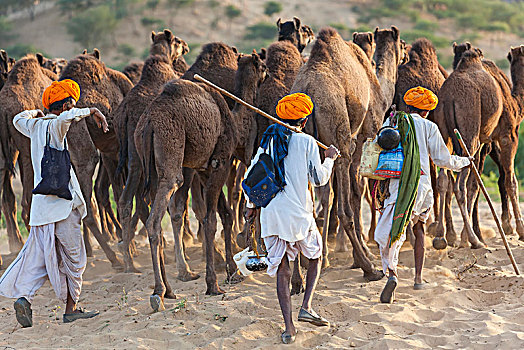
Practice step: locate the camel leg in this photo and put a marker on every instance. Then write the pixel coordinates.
(187, 237)
(166, 187)
(461, 195)
(101, 181)
(437, 227)
(125, 209)
(473, 192)
(297, 280)
(373, 221)
(486, 149)
(451, 235)
(176, 212)
(495, 154)
(9, 209)
(237, 198)
(226, 216)
(327, 202)
(169, 294)
(508, 150)
(26, 173)
(345, 215)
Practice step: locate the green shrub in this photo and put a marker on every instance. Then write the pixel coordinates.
(496, 27)
(425, 25)
(412, 35)
(503, 63)
(232, 12)
(272, 7)
(93, 26)
(5, 30)
(153, 22)
(261, 31)
(126, 50)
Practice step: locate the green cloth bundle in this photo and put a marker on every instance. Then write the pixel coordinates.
(409, 177)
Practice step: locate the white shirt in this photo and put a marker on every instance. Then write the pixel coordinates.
(290, 214)
(430, 144)
(46, 209)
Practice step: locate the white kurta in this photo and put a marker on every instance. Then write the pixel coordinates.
(49, 209)
(290, 214)
(431, 145)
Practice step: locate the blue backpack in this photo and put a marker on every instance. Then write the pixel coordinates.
(261, 185)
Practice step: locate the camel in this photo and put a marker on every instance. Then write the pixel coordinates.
(471, 101)
(298, 35)
(504, 143)
(367, 43)
(350, 103)
(157, 70)
(103, 88)
(133, 71)
(180, 66)
(55, 65)
(6, 64)
(190, 126)
(22, 91)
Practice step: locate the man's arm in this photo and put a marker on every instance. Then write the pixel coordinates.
(319, 173)
(439, 153)
(25, 121)
(61, 125)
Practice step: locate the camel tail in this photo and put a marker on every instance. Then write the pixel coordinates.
(148, 158)
(450, 117)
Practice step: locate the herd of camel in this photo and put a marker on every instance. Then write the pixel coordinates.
(170, 134)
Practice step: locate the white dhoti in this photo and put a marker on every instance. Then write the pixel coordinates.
(389, 254)
(310, 247)
(54, 251)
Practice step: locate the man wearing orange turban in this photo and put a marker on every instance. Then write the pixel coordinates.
(55, 249)
(430, 145)
(287, 223)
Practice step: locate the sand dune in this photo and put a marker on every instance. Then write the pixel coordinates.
(475, 301)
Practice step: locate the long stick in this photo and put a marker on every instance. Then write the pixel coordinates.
(490, 203)
(259, 111)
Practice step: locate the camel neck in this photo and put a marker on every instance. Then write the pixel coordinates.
(387, 73)
(517, 90)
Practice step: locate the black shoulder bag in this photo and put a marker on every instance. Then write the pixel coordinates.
(56, 171)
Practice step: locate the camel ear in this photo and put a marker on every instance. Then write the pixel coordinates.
(153, 34)
(84, 52)
(468, 45)
(479, 51)
(96, 53)
(396, 32)
(522, 49)
(376, 32)
(263, 54)
(297, 23)
(185, 48)
(370, 37)
(509, 57)
(354, 35)
(279, 23)
(40, 59)
(454, 45)
(3, 55)
(169, 35)
(234, 49)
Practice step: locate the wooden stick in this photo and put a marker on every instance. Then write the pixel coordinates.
(490, 203)
(259, 111)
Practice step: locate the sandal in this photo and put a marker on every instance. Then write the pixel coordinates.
(312, 317)
(24, 314)
(388, 294)
(81, 314)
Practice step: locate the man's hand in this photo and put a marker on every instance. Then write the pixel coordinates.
(471, 161)
(99, 118)
(39, 114)
(332, 152)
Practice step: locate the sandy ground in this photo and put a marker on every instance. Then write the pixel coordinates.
(475, 301)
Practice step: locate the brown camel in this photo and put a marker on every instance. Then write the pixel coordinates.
(367, 43)
(158, 70)
(191, 126)
(298, 35)
(103, 88)
(423, 69)
(471, 101)
(22, 91)
(350, 103)
(133, 71)
(8, 205)
(55, 65)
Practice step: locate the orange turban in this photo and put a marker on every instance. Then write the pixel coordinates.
(295, 106)
(421, 98)
(60, 90)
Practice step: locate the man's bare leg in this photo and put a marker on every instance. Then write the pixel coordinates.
(284, 295)
(313, 273)
(70, 304)
(419, 251)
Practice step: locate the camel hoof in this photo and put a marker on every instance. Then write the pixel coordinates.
(439, 243)
(478, 246)
(117, 264)
(297, 289)
(188, 276)
(464, 244)
(215, 291)
(170, 295)
(521, 238)
(325, 263)
(374, 276)
(354, 266)
(132, 269)
(156, 302)
(340, 248)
